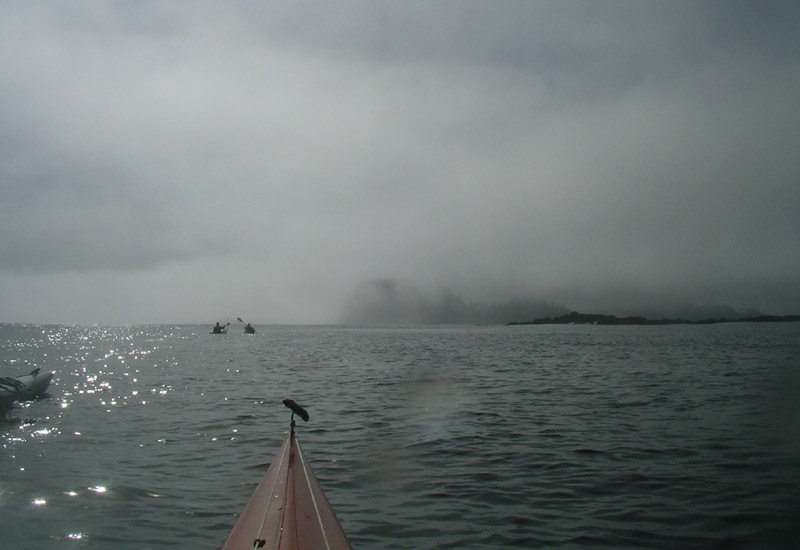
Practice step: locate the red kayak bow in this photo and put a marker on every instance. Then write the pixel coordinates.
(288, 510)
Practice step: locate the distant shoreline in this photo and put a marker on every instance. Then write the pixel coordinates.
(576, 318)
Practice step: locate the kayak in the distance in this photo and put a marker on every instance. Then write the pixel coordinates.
(220, 329)
(248, 328)
(288, 510)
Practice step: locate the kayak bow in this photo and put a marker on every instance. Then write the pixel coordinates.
(23, 388)
(288, 510)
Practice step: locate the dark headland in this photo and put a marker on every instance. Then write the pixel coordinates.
(576, 318)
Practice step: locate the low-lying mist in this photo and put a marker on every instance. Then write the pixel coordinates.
(390, 302)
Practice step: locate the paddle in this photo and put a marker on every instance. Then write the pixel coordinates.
(296, 409)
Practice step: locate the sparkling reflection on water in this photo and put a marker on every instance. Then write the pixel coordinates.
(422, 437)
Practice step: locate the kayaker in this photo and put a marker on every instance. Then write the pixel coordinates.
(248, 329)
(217, 329)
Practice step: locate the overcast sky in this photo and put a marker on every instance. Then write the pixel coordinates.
(198, 161)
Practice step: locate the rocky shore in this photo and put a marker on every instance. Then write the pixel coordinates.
(576, 318)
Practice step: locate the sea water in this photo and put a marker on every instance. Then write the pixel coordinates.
(154, 437)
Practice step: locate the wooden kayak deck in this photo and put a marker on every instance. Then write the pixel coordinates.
(288, 510)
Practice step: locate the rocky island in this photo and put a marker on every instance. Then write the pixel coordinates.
(576, 318)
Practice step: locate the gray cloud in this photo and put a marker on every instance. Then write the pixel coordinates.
(208, 157)
(387, 301)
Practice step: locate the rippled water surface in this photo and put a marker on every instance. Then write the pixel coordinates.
(422, 437)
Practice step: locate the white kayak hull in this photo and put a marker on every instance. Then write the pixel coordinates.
(23, 388)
